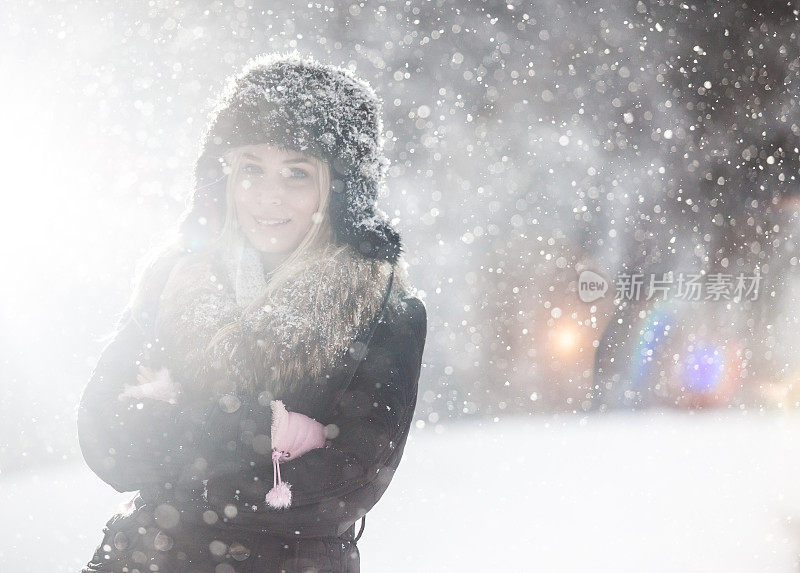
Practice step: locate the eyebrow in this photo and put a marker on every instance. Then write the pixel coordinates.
(292, 161)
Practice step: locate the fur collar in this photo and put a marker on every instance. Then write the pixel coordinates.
(226, 327)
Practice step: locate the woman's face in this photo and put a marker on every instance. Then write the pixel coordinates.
(277, 195)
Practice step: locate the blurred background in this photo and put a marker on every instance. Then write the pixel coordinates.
(528, 144)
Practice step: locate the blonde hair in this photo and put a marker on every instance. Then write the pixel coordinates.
(317, 240)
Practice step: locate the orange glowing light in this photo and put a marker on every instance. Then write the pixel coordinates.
(565, 339)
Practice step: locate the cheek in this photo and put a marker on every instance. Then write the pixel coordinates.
(307, 203)
(241, 199)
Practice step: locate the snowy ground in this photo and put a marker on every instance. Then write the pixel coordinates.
(621, 492)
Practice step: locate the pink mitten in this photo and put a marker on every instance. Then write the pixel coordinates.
(157, 385)
(293, 434)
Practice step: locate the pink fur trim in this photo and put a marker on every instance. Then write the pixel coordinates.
(280, 496)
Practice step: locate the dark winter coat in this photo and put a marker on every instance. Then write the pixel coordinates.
(202, 469)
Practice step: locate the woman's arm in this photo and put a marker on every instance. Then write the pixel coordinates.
(334, 486)
(132, 443)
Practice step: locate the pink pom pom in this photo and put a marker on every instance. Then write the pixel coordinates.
(293, 435)
(280, 496)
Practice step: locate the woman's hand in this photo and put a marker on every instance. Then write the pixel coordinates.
(293, 434)
(157, 385)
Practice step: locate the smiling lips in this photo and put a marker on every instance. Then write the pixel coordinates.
(270, 222)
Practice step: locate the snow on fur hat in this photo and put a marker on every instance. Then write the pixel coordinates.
(306, 106)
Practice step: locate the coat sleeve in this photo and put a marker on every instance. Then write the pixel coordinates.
(133, 444)
(332, 487)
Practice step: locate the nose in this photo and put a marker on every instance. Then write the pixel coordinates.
(270, 194)
(271, 200)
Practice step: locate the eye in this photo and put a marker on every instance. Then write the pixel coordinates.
(294, 173)
(252, 169)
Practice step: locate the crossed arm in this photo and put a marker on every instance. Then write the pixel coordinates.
(139, 443)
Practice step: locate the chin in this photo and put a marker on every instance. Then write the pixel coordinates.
(264, 245)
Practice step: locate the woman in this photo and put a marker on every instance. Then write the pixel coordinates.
(261, 385)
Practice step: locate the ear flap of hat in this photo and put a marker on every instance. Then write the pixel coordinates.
(202, 221)
(357, 221)
(380, 241)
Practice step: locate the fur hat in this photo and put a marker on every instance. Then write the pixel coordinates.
(306, 106)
